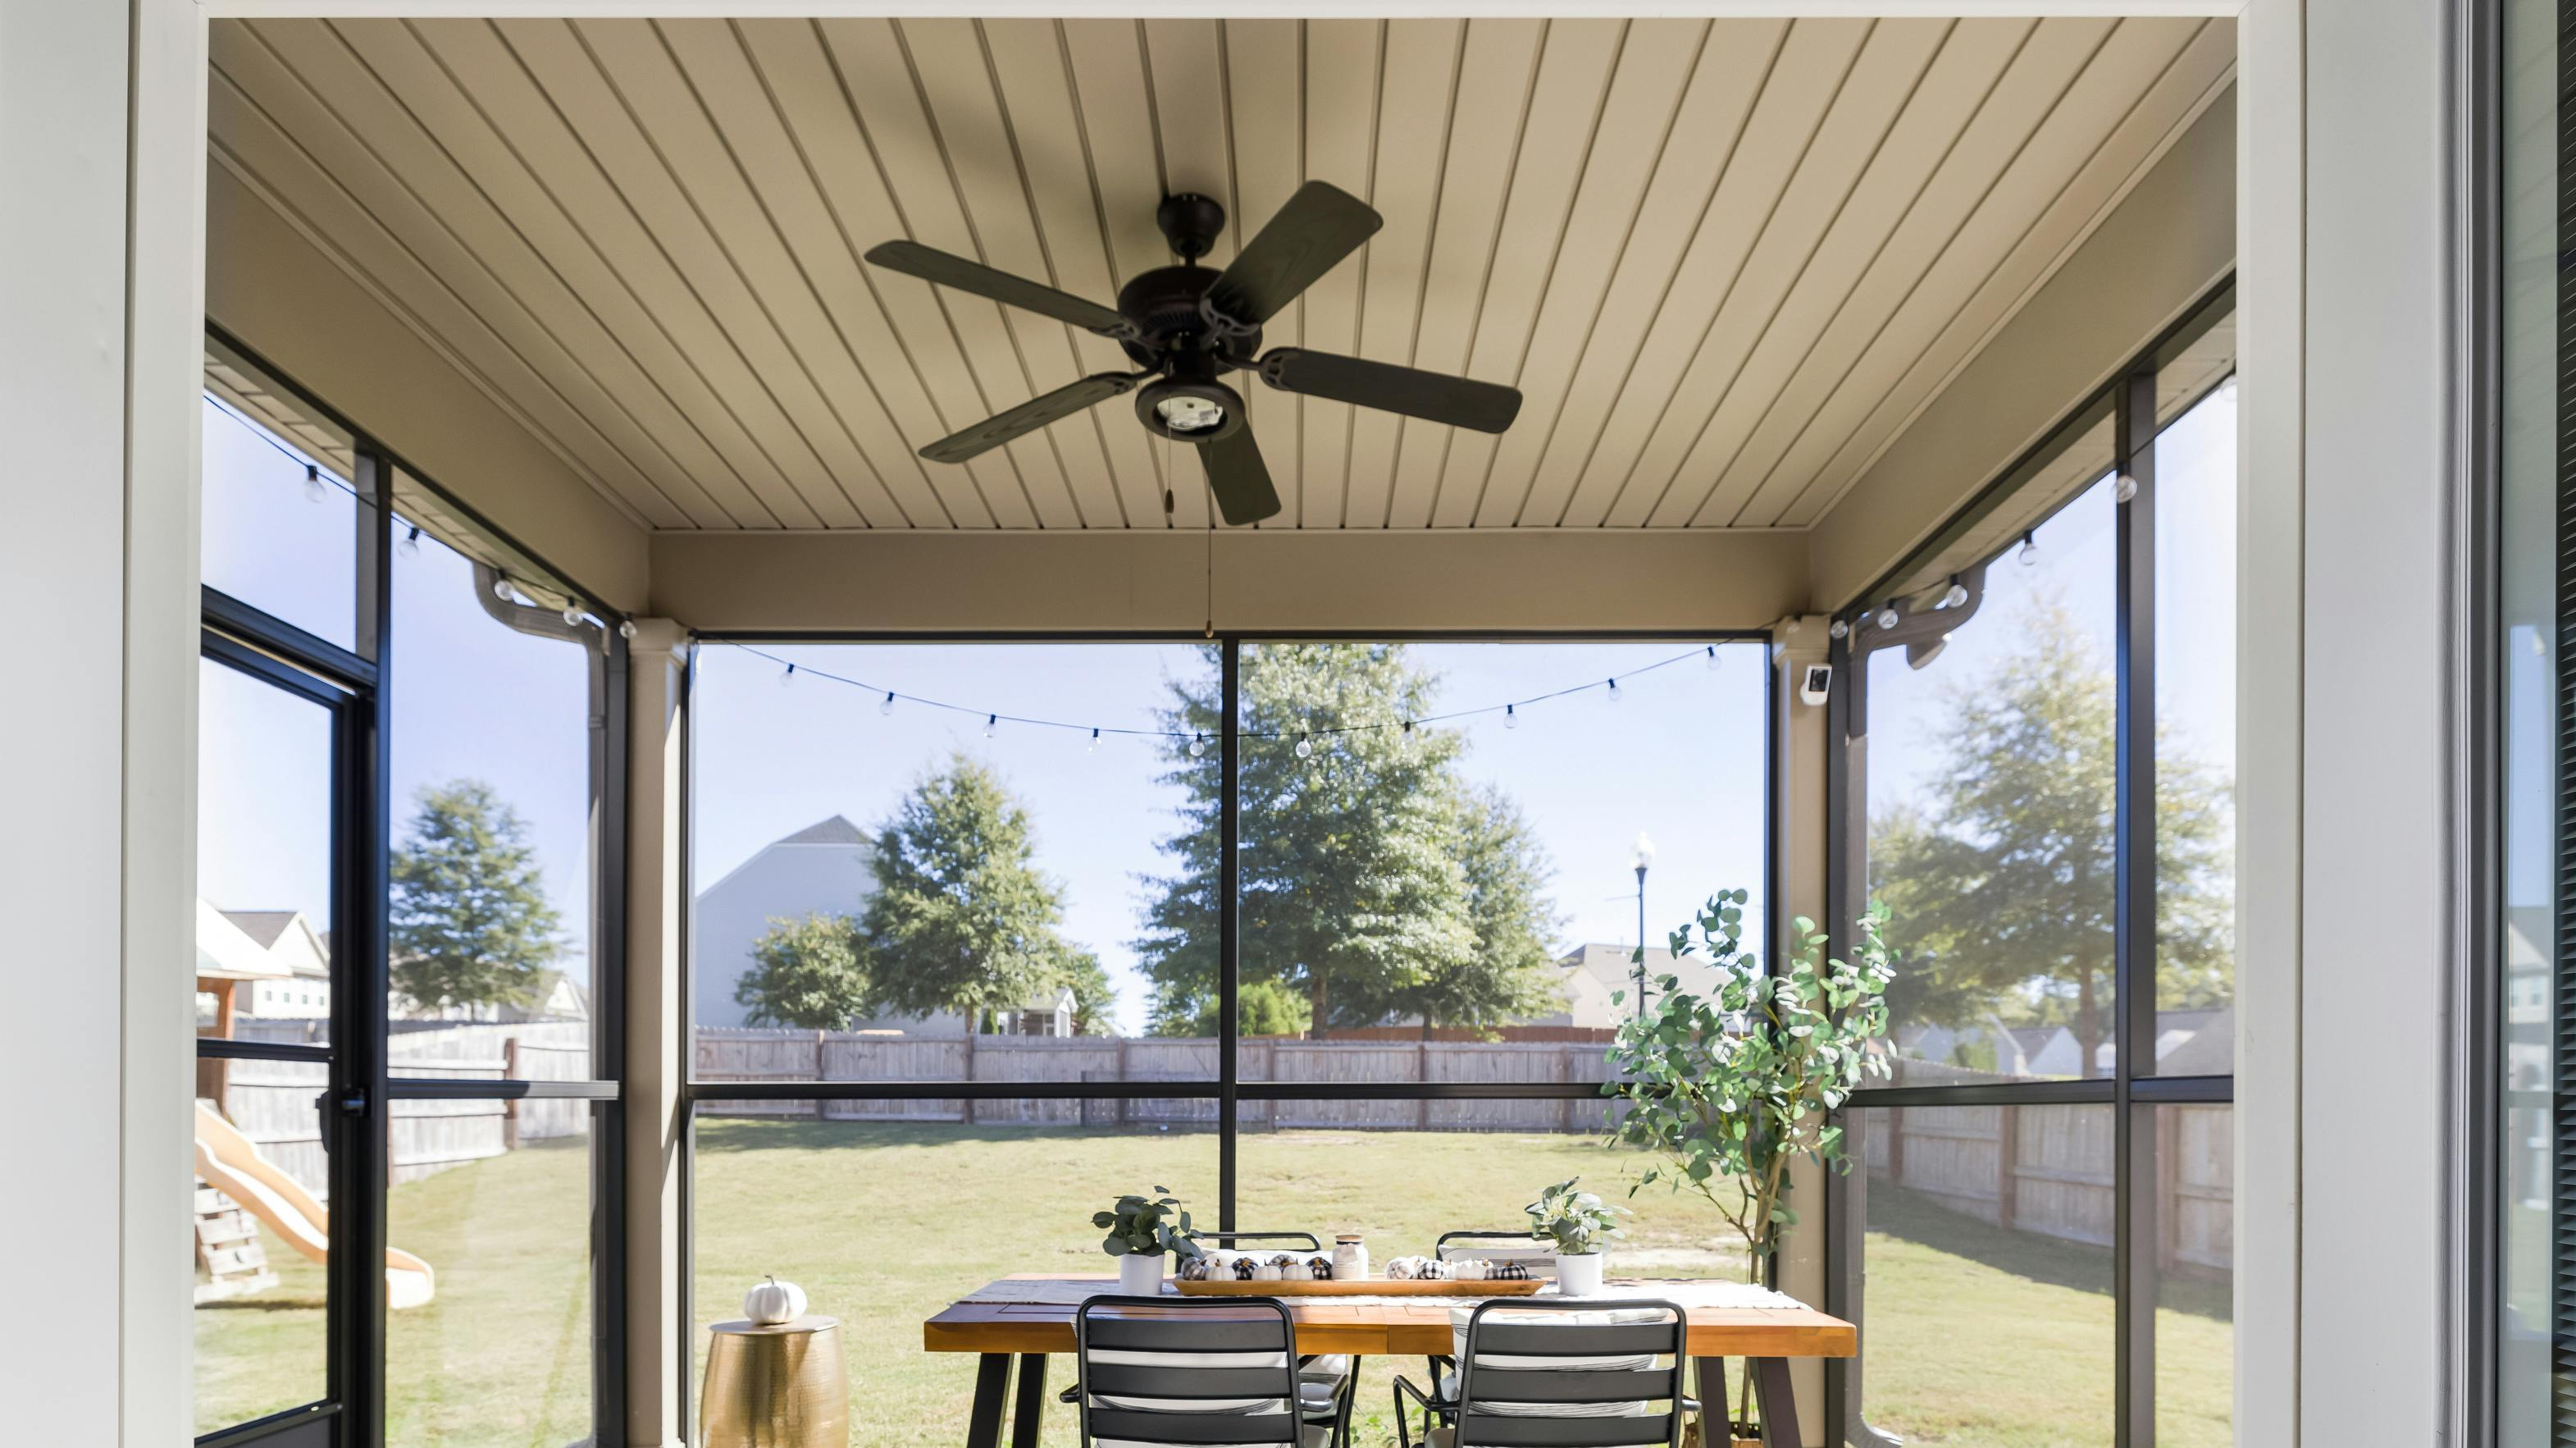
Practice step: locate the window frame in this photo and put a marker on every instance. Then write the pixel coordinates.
(355, 685)
(1225, 1088)
(2133, 1090)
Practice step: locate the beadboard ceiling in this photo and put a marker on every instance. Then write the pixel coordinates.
(1726, 262)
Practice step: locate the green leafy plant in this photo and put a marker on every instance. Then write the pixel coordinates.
(1146, 1226)
(1578, 1223)
(1725, 1091)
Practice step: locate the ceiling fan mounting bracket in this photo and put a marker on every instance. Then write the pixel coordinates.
(1191, 223)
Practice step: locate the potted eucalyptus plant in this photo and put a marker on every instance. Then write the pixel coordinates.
(1141, 1230)
(1724, 1091)
(1580, 1226)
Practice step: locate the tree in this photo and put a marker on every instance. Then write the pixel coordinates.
(468, 920)
(805, 973)
(2003, 875)
(962, 919)
(1359, 877)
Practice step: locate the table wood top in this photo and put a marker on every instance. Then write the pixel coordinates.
(1380, 1327)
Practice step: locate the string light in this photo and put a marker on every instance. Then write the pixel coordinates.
(787, 677)
(1956, 594)
(1197, 740)
(989, 721)
(572, 615)
(1305, 748)
(2028, 557)
(314, 492)
(1841, 628)
(1887, 615)
(626, 628)
(501, 590)
(1094, 746)
(409, 547)
(2125, 489)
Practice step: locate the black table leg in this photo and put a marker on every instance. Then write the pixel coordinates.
(1029, 1412)
(1779, 1405)
(1716, 1415)
(992, 1376)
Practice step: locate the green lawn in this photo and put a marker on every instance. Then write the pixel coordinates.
(1974, 1336)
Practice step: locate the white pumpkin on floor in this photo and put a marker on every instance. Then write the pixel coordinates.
(774, 1302)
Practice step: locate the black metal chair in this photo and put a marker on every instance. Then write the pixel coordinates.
(1291, 1241)
(1595, 1383)
(1540, 1264)
(1198, 1372)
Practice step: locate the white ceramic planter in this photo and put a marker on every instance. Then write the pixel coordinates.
(1578, 1276)
(1142, 1276)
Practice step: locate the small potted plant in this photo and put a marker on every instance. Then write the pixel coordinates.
(1141, 1230)
(1580, 1225)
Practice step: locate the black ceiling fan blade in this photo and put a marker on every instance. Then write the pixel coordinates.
(1031, 415)
(1239, 478)
(948, 270)
(1433, 396)
(1318, 227)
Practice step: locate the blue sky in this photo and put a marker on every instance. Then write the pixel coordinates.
(1680, 759)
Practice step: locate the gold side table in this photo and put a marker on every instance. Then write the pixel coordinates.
(780, 1386)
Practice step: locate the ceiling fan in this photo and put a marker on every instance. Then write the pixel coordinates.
(1188, 325)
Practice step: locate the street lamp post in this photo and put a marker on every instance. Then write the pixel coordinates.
(1641, 854)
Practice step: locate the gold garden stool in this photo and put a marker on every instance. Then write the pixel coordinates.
(775, 1386)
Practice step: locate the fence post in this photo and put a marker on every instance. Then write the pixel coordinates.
(820, 1075)
(2168, 1186)
(1122, 1076)
(1896, 1145)
(1422, 1074)
(2007, 1167)
(966, 1107)
(510, 1106)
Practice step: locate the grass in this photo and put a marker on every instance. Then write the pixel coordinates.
(1976, 1337)
(499, 1359)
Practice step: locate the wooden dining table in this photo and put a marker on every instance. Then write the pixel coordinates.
(1030, 1316)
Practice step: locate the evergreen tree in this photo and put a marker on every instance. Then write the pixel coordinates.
(468, 918)
(2003, 876)
(805, 973)
(962, 918)
(1367, 867)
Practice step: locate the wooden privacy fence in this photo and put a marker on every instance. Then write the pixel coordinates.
(2049, 1170)
(272, 1102)
(752, 1054)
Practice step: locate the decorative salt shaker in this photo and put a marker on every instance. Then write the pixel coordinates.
(1350, 1258)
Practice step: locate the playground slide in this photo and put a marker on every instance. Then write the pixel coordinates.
(232, 1165)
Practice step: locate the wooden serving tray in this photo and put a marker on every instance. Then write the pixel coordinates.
(1364, 1287)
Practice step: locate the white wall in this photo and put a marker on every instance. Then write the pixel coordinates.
(2375, 835)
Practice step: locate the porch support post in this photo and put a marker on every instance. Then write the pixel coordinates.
(1798, 852)
(656, 1059)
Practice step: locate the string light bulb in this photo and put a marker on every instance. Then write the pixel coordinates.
(1305, 748)
(314, 492)
(1711, 666)
(1198, 746)
(1841, 628)
(409, 547)
(1614, 691)
(572, 615)
(886, 704)
(1511, 716)
(2028, 557)
(1956, 594)
(991, 720)
(501, 590)
(2126, 488)
(1094, 746)
(787, 676)
(1887, 616)
(626, 628)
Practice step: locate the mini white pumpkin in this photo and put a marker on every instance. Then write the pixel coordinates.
(773, 1302)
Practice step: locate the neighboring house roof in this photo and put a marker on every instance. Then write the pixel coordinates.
(833, 831)
(226, 952)
(262, 926)
(285, 937)
(2210, 1050)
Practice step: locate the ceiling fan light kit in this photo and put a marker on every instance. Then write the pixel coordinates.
(1186, 325)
